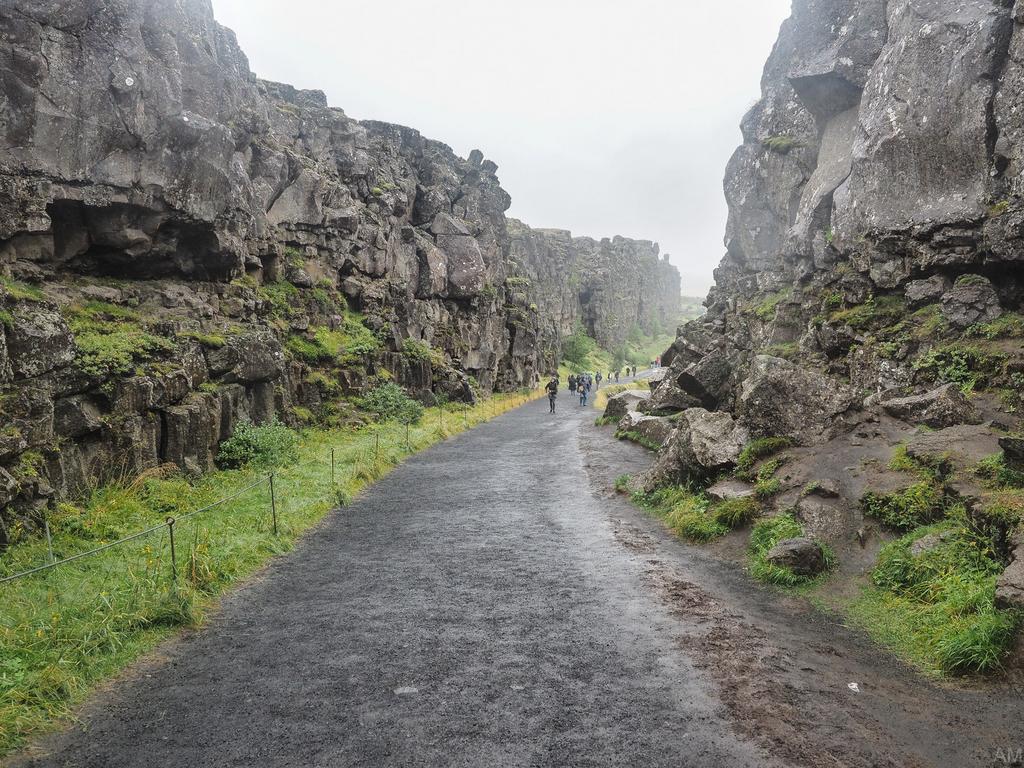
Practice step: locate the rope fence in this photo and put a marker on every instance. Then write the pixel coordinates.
(361, 452)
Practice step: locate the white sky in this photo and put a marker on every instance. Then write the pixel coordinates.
(604, 117)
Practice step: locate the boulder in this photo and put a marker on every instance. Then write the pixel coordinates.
(781, 399)
(726, 490)
(703, 444)
(654, 429)
(708, 380)
(668, 399)
(942, 407)
(801, 555)
(971, 300)
(622, 403)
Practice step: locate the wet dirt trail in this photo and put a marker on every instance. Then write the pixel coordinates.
(492, 602)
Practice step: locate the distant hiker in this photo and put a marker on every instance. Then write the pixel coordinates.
(552, 390)
(598, 379)
(616, 377)
(572, 383)
(583, 393)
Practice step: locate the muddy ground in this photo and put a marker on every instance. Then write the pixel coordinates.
(494, 602)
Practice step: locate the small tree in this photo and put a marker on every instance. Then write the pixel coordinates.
(389, 402)
(577, 347)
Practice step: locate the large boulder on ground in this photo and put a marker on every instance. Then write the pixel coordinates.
(781, 399)
(801, 555)
(653, 429)
(668, 399)
(972, 299)
(942, 407)
(709, 379)
(703, 444)
(624, 402)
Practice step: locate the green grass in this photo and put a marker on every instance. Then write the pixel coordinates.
(969, 366)
(65, 630)
(111, 340)
(906, 509)
(756, 450)
(692, 516)
(781, 144)
(21, 291)
(765, 310)
(936, 610)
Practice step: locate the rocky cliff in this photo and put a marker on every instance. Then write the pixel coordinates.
(184, 245)
(871, 290)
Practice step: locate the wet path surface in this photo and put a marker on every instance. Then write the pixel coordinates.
(493, 603)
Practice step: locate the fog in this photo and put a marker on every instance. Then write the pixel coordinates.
(604, 117)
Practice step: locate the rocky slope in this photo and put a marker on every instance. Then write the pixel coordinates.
(184, 245)
(871, 291)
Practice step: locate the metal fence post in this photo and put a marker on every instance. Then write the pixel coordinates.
(273, 503)
(376, 446)
(407, 446)
(174, 562)
(49, 540)
(332, 466)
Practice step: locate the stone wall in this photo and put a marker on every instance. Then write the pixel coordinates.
(184, 245)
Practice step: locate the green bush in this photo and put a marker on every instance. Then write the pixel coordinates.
(969, 367)
(416, 351)
(389, 402)
(578, 347)
(267, 445)
(876, 312)
(735, 513)
(917, 505)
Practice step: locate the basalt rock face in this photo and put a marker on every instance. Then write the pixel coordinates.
(609, 287)
(875, 217)
(872, 273)
(184, 245)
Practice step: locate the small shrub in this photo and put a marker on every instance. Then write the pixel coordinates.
(735, 513)
(995, 470)
(622, 483)
(969, 367)
(415, 350)
(781, 144)
(389, 402)
(876, 312)
(267, 445)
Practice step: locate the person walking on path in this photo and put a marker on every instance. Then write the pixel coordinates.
(597, 380)
(552, 390)
(584, 388)
(573, 381)
(616, 377)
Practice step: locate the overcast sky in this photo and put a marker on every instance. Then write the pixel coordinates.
(604, 117)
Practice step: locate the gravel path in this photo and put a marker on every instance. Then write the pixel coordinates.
(492, 603)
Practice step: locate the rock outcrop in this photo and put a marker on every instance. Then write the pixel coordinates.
(875, 225)
(184, 245)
